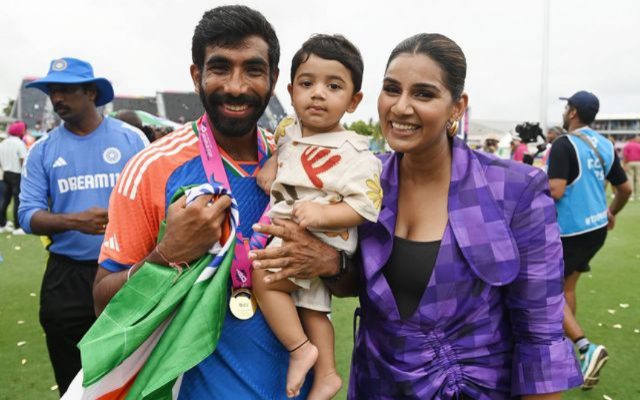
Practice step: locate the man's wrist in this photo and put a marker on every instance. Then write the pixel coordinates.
(343, 266)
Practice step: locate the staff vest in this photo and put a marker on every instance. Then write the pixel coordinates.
(583, 208)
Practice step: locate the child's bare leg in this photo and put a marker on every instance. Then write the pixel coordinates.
(326, 382)
(280, 313)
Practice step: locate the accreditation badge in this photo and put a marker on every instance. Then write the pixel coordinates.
(242, 303)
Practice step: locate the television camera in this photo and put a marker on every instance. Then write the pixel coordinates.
(529, 132)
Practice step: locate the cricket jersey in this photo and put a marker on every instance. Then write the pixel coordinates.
(248, 362)
(69, 173)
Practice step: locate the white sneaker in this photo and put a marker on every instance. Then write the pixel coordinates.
(6, 229)
(18, 231)
(10, 224)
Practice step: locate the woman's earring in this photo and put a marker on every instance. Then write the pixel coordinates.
(452, 128)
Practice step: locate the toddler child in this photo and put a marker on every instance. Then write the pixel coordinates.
(326, 181)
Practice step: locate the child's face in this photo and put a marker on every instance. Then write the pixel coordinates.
(322, 91)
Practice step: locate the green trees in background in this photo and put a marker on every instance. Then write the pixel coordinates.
(372, 129)
(8, 107)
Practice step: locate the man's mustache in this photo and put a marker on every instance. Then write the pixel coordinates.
(59, 106)
(221, 98)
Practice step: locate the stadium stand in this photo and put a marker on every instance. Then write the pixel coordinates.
(148, 104)
(30, 104)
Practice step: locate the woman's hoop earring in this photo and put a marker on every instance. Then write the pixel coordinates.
(452, 128)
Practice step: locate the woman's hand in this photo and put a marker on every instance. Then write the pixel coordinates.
(302, 255)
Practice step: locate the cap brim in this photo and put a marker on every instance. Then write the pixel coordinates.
(564, 98)
(105, 90)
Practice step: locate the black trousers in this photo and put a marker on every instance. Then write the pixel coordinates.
(66, 312)
(11, 189)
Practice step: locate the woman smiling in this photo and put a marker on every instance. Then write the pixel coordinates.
(461, 278)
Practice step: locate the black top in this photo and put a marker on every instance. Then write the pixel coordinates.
(563, 163)
(408, 272)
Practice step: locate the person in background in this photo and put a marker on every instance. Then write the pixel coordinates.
(67, 180)
(131, 118)
(12, 154)
(552, 134)
(491, 143)
(578, 165)
(518, 149)
(631, 162)
(8, 228)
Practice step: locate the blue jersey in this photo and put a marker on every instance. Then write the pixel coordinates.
(248, 362)
(68, 173)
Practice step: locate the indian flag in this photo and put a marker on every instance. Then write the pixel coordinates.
(159, 325)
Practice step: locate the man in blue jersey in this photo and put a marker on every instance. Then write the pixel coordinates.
(66, 183)
(579, 163)
(235, 55)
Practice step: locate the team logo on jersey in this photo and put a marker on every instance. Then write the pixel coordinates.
(111, 155)
(59, 65)
(60, 162)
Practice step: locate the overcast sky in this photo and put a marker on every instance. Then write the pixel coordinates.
(144, 46)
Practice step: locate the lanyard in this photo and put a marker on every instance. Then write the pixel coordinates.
(212, 161)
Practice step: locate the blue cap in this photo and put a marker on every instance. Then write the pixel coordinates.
(71, 71)
(585, 102)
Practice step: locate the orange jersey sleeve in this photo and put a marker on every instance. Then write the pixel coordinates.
(138, 202)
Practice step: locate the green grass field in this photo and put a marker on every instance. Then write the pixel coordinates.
(603, 296)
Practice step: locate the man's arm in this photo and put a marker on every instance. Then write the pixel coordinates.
(303, 255)
(622, 194)
(560, 157)
(190, 232)
(92, 221)
(557, 188)
(106, 283)
(621, 188)
(22, 153)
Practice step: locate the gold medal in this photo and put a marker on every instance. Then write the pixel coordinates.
(242, 303)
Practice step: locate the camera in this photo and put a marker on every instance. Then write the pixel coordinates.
(529, 132)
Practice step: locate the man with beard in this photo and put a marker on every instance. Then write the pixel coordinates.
(579, 163)
(66, 183)
(235, 55)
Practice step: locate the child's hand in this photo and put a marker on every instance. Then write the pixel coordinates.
(267, 174)
(308, 214)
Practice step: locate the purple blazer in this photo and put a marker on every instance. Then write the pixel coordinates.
(489, 324)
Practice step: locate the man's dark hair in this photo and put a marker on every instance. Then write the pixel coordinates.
(444, 51)
(585, 116)
(331, 47)
(229, 26)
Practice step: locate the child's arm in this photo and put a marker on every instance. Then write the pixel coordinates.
(267, 173)
(326, 216)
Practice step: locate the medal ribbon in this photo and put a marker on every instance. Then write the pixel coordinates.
(212, 161)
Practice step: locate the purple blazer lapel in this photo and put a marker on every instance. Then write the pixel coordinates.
(376, 240)
(476, 220)
(478, 223)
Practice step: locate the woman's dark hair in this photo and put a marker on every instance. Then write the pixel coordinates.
(331, 47)
(229, 26)
(444, 51)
